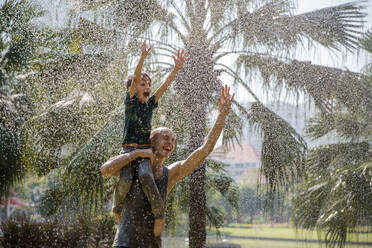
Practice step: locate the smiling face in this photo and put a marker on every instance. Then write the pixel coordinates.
(144, 89)
(162, 141)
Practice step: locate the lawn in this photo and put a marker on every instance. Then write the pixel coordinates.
(285, 233)
(266, 232)
(179, 242)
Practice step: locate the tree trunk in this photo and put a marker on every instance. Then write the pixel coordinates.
(197, 211)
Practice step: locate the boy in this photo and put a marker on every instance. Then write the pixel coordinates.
(137, 127)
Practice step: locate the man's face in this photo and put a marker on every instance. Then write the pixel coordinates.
(164, 143)
(144, 89)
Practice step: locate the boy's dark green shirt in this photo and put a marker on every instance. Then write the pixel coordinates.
(137, 122)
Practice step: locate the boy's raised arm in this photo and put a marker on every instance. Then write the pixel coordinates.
(181, 169)
(137, 73)
(178, 63)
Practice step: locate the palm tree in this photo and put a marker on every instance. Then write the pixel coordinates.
(77, 80)
(17, 45)
(259, 34)
(336, 196)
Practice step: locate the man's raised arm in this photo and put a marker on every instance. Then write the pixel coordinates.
(181, 169)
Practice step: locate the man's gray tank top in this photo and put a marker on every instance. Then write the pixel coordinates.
(137, 223)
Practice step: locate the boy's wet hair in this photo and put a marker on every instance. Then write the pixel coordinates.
(130, 79)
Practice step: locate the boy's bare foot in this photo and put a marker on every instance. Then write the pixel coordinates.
(117, 218)
(158, 227)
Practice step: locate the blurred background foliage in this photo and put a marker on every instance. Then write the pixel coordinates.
(62, 88)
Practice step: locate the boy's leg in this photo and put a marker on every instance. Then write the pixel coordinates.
(150, 189)
(121, 190)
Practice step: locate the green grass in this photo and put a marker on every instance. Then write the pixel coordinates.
(281, 244)
(286, 233)
(179, 242)
(267, 232)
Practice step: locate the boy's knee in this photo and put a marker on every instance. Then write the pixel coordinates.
(123, 186)
(126, 175)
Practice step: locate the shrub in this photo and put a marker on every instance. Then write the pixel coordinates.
(23, 231)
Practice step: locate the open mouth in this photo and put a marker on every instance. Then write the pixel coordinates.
(146, 94)
(167, 149)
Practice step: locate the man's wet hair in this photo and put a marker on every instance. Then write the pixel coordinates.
(131, 77)
(156, 132)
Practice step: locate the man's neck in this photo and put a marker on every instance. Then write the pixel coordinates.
(157, 162)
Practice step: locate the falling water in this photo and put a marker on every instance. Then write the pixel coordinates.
(294, 155)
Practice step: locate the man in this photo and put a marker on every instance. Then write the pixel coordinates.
(136, 227)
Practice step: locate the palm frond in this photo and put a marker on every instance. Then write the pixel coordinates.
(79, 179)
(137, 16)
(62, 124)
(337, 192)
(82, 172)
(225, 185)
(11, 166)
(59, 75)
(215, 217)
(326, 85)
(366, 41)
(94, 4)
(218, 181)
(219, 11)
(221, 183)
(90, 33)
(177, 203)
(19, 34)
(282, 152)
(271, 25)
(333, 27)
(233, 129)
(260, 26)
(313, 200)
(352, 126)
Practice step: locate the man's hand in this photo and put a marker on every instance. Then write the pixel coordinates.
(145, 51)
(180, 58)
(225, 100)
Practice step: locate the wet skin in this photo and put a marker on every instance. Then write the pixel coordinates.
(162, 147)
(144, 89)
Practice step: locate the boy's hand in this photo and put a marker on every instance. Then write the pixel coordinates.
(180, 58)
(225, 100)
(147, 153)
(145, 51)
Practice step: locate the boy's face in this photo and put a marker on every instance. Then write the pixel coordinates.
(144, 89)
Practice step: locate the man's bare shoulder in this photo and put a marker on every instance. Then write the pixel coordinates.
(174, 172)
(172, 168)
